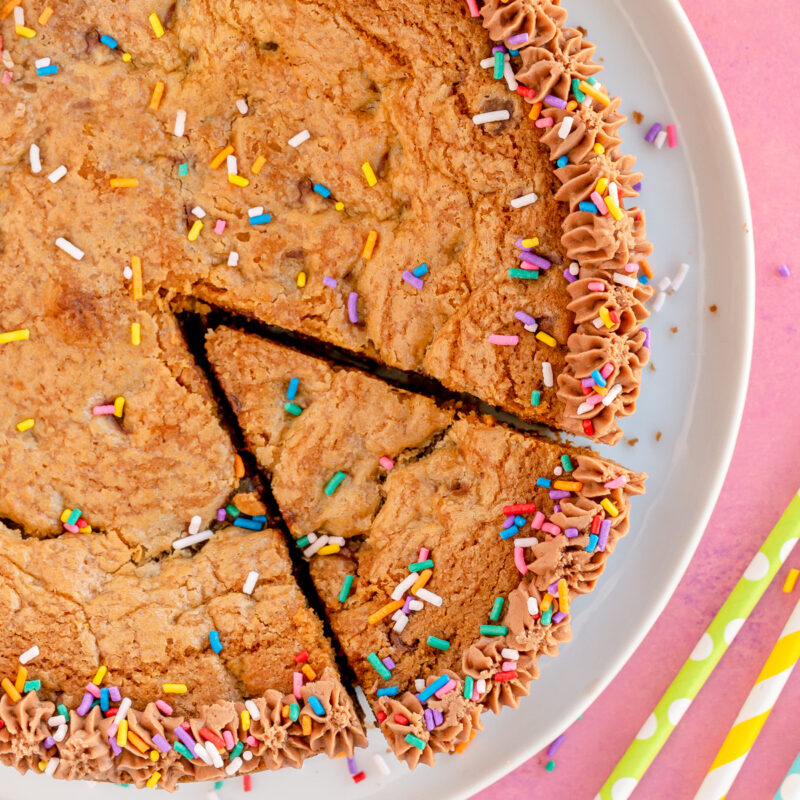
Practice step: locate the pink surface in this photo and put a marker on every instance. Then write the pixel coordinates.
(752, 47)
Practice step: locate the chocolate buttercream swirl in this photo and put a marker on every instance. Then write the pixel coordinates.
(461, 717)
(84, 752)
(561, 557)
(24, 730)
(591, 125)
(540, 19)
(280, 740)
(409, 707)
(550, 70)
(338, 730)
(587, 300)
(579, 181)
(594, 240)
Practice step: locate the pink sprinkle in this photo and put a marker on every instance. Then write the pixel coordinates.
(597, 286)
(164, 707)
(544, 122)
(297, 684)
(600, 203)
(93, 690)
(219, 226)
(221, 514)
(252, 741)
(497, 338)
(100, 411)
(509, 666)
(593, 399)
(631, 267)
(386, 462)
(607, 369)
(617, 483)
(423, 554)
(446, 689)
(672, 135)
(227, 737)
(7, 77)
(549, 527)
(519, 560)
(537, 521)
(475, 695)
(472, 5)
(71, 528)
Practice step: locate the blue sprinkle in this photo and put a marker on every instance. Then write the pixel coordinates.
(259, 518)
(109, 42)
(598, 378)
(513, 52)
(543, 482)
(250, 524)
(104, 700)
(322, 190)
(260, 219)
(519, 521)
(316, 706)
(291, 392)
(183, 169)
(429, 691)
(644, 279)
(593, 539)
(562, 162)
(587, 206)
(509, 532)
(48, 70)
(213, 639)
(419, 271)
(388, 691)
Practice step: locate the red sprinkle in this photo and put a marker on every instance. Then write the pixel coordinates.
(520, 508)
(248, 782)
(586, 390)
(212, 737)
(400, 719)
(613, 316)
(380, 715)
(525, 91)
(301, 656)
(588, 428)
(596, 522)
(358, 777)
(111, 712)
(505, 676)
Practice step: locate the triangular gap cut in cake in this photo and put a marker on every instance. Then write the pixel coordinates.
(446, 547)
(227, 622)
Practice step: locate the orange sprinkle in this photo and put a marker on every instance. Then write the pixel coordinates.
(8, 8)
(462, 746)
(258, 164)
(124, 183)
(536, 109)
(9, 688)
(547, 601)
(238, 466)
(308, 671)
(158, 93)
(221, 156)
(22, 676)
(389, 608)
(305, 721)
(568, 486)
(646, 268)
(45, 15)
(136, 285)
(137, 742)
(285, 712)
(420, 582)
(369, 245)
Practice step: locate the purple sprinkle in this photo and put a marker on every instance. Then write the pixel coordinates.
(570, 533)
(587, 383)
(783, 269)
(83, 709)
(637, 187)
(537, 261)
(94, 690)
(161, 743)
(221, 514)
(557, 508)
(553, 588)
(48, 742)
(559, 616)
(653, 132)
(412, 279)
(559, 494)
(115, 748)
(518, 244)
(569, 276)
(555, 102)
(429, 723)
(508, 522)
(518, 38)
(555, 744)
(186, 739)
(438, 717)
(525, 319)
(330, 282)
(352, 307)
(351, 765)
(602, 539)
(114, 695)
(498, 48)
(407, 605)
(388, 663)
(646, 338)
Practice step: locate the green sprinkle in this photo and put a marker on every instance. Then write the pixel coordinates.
(566, 463)
(550, 765)
(547, 616)
(302, 542)
(293, 409)
(526, 274)
(183, 750)
(334, 482)
(236, 750)
(183, 169)
(379, 666)
(493, 630)
(536, 397)
(217, 784)
(576, 90)
(64, 711)
(439, 644)
(497, 609)
(32, 686)
(415, 740)
(469, 686)
(232, 510)
(418, 566)
(294, 712)
(345, 590)
(74, 516)
(499, 64)
(591, 81)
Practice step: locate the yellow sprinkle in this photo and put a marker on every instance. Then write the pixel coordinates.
(567, 486)
(45, 15)
(791, 581)
(610, 507)
(369, 245)
(136, 285)
(339, 206)
(194, 232)
(369, 173)
(305, 721)
(547, 601)
(136, 333)
(42, 766)
(22, 676)
(245, 720)
(155, 24)
(420, 582)
(221, 156)
(25, 424)
(126, 57)
(599, 149)
(174, 688)
(258, 164)
(99, 675)
(153, 780)
(122, 733)
(329, 549)
(28, 33)
(13, 695)
(572, 105)
(154, 756)
(308, 671)
(389, 608)
(285, 712)
(587, 88)
(301, 279)
(533, 242)
(119, 406)
(15, 336)
(563, 596)
(158, 93)
(606, 317)
(65, 514)
(124, 183)
(546, 338)
(238, 180)
(9, 7)
(615, 210)
(602, 185)
(86, 529)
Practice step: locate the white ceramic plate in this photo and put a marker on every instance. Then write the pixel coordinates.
(698, 213)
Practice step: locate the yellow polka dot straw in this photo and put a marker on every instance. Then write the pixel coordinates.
(705, 656)
(754, 713)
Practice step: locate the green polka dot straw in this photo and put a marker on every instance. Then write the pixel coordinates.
(705, 656)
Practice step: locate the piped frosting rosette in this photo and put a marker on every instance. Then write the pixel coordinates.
(539, 21)
(24, 731)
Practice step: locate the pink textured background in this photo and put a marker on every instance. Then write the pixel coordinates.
(753, 49)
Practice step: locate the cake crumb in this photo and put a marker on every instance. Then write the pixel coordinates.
(674, 329)
(632, 442)
(713, 308)
(658, 436)
(638, 117)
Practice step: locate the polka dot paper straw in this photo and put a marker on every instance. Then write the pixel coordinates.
(754, 713)
(790, 788)
(705, 656)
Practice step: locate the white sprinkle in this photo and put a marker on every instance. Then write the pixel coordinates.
(61, 732)
(194, 525)
(428, 597)
(54, 722)
(312, 537)
(524, 200)
(531, 328)
(533, 606)
(683, 271)
(480, 685)
(416, 605)
(403, 586)
(574, 268)
(127, 273)
(314, 546)
(201, 753)
(52, 766)
(486, 63)
(366, 709)
(247, 755)
(584, 408)
(419, 684)
(658, 303)
(299, 138)
(36, 161)
(122, 711)
(613, 190)
(7, 60)
(216, 758)
(509, 654)
(57, 174)
(232, 164)
(198, 212)
(558, 471)
(508, 74)
(612, 395)
(547, 373)
(41, 62)
(529, 541)
(241, 106)
(625, 280)
(255, 211)
(29, 655)
(401, 623)
(234, 766)
(491, 116)
(380, 763)
(180, 122)
(660, 139)
(250, 584)
(397, 614)
(19, 16)
(340, 540)
(251, 707)
(565, 128)
(598, 323)
(233, 258)
(188, 541)
(69, 248)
